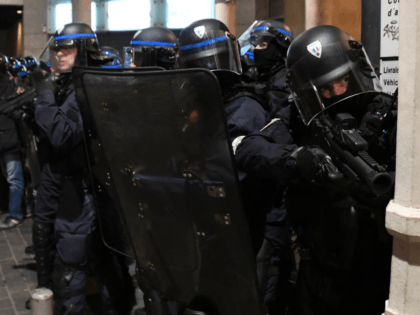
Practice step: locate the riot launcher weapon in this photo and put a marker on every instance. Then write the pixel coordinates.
(17, 100)
(341, 140)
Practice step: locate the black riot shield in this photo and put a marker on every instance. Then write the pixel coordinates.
(160, 153)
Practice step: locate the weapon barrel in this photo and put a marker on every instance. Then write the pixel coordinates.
(379, 183)
(18, 101)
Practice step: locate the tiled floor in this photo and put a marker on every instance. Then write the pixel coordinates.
(17, 271)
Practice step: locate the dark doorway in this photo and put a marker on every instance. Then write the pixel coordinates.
(11, 30)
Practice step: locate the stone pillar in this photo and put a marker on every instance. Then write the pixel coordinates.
(294, 15)
(311, 13)
(101, 16)
(158, 13)
(245, 15)
(403, 213)
(262, 9)
(34, 27)
(225, 12)
(81, 11)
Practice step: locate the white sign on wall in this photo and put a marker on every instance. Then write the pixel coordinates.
(389, 75)
(390, 35)
(390, 28)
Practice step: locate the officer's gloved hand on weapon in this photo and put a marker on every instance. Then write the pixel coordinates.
(18, 106)
(317, 167)
(40, 83)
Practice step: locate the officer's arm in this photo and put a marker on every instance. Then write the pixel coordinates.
(244, 116)
(63, 125)
(267, 153)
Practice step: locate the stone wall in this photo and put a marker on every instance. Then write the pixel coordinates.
(34, 24)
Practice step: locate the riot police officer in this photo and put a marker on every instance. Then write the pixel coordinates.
(111, 51)
(265, 46)
(264, 166)
(155, 47)
(345, 250)
(64, 204)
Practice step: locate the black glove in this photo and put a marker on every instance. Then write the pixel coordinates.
(18, 115)
(40, 83)
(317, 166)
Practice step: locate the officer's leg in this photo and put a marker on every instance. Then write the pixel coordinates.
(15, 179)
(69, 280)
(43, 238)
(281, 272)
(154, 303)
(115, 284)
(46, 205)
(74, 224)
(263, 259)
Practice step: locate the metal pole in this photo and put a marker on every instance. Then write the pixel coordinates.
(42, 302)
(371, 29)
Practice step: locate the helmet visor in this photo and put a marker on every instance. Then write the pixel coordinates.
(245, 39)
(217, 50)
(64, 57)
(338, 75)
(248, 58)
(259, 32)
(153, 53)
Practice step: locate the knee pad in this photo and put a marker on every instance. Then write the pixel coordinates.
(62, 276)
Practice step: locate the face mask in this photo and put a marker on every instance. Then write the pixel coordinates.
(266, 58)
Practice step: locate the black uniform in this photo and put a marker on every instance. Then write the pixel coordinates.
(344, 248)
(64, 204)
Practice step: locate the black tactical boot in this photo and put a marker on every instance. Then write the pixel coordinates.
(43, 238)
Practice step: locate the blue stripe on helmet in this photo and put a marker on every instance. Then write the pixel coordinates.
(74, 36)
(150, 43)
(206, 42)
(108, 53)
(113, 66)
(285, 32)
(250, 55)
(259, 28)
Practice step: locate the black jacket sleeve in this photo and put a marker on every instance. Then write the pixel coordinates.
(268, 153)
(62, 124)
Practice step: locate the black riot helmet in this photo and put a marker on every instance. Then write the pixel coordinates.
(23, 71)
(14, 66)
(116, 62)
(209, 44)
(326, 66)
(155, 46)
(267, 42)
(4, 63)
(75, 44)
(31, 63)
